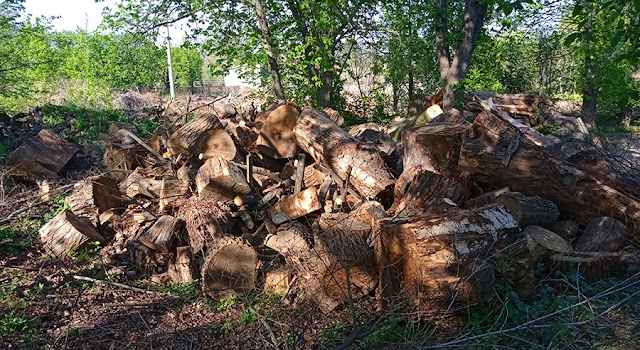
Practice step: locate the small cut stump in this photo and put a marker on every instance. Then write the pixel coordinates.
(66, 232)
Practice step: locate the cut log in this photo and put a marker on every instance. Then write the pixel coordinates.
(567, 229)
(313, 177)
(593, 266)
(291, 241)
(276, 281)
(245, 136)
(530, 210)
(435, 146)
(276, 135)
(66, 233)
(334, 116)
(221, 180)
(543, 243)
(182, 269)
(328, 144)
(207, 222)
(184, 139)
(485, 198)
(603, 234)
(94, 196)
(443, 257)
(41, 156)
(502, 152)
(215, 143)
(419, 190)
(526, 106)
(229, 270)
(346, 224)
(145, 182)
(295, 206)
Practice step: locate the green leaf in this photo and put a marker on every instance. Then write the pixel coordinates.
(571, 38)
(577, 10)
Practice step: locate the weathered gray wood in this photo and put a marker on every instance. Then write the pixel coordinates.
(229, 269)
(66, 232)
(529, 210)
(602, 234)
(41, 156)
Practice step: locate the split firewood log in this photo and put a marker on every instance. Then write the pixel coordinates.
(603, 234)
(184, 139)
(66, 233)
(419, 190)
(278, 280)
(502, 152)
(94, 196)
(330, 145)
(443, 256)
(121, 160)
(530, 210)
(292, 241)
(435, 146)
(152, 184)
(276, 135)
(295, 206)
(229, 269)
(41, 156)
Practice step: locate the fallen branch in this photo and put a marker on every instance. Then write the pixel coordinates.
(116, 284)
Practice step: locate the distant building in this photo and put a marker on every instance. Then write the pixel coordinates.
(233, 79)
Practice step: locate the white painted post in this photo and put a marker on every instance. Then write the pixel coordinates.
(171, 88)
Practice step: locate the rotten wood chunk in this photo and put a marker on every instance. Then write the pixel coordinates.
(295, 206)
(502, 152)
(184, 139)
(183, 269)
(530, 210)
(419, 190)
(66, 233)
(276, 135)
(442, 257)
(229, 269)
(41, 156)
(567, 229)
(166, 234)
(221, 180)
(93, 197)
(435, 146)
(330, 145)
(207, 222)
(276, 281)
(603, 234)
(291, 240)
(121, 160)
(592, 266)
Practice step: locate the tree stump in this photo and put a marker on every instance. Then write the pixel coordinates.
(435, 146)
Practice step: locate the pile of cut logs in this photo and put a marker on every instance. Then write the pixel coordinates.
(288, 201)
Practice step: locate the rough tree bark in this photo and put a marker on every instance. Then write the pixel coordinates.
(274, 69)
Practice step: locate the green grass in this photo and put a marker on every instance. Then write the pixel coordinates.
(4, 150)
(618, 129)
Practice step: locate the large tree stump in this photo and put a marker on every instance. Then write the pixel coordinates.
(295, 206)
(66, 232)
(419, 190)
(530, 210)
(276, 135)
(41, 156)
(94, 196)
(502, 152)
(229, 269)
(603, 234)
(435, 146)
(443, 257)
(332, 146)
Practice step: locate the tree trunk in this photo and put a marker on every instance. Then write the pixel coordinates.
(332, 146)
(530, 210)
(323, 92)
(268, 49)
(453, 70)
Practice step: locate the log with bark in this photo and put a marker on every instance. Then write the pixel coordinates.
(330, 145)
(295, 206)
(67, 233)
(42, 156)
(221, 180)
(229, 269)
(603, 234)
(149, 183)
(502, 152)
(443, 256)
(529, 210)
(215, 143)
(184, 139)
(182, 269)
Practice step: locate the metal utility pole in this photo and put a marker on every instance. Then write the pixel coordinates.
(171, 88)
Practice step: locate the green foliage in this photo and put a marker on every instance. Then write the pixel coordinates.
(184, 291)
(86, 124)
(333, 331)
(85, 254)
(247, 318)
(4, 149)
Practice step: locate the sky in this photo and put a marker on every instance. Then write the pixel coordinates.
(82, 14)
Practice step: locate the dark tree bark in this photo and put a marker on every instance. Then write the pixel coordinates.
(274, 69)
(454, 69)
(590, 92)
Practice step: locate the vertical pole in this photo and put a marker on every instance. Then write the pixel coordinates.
(171, 88)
